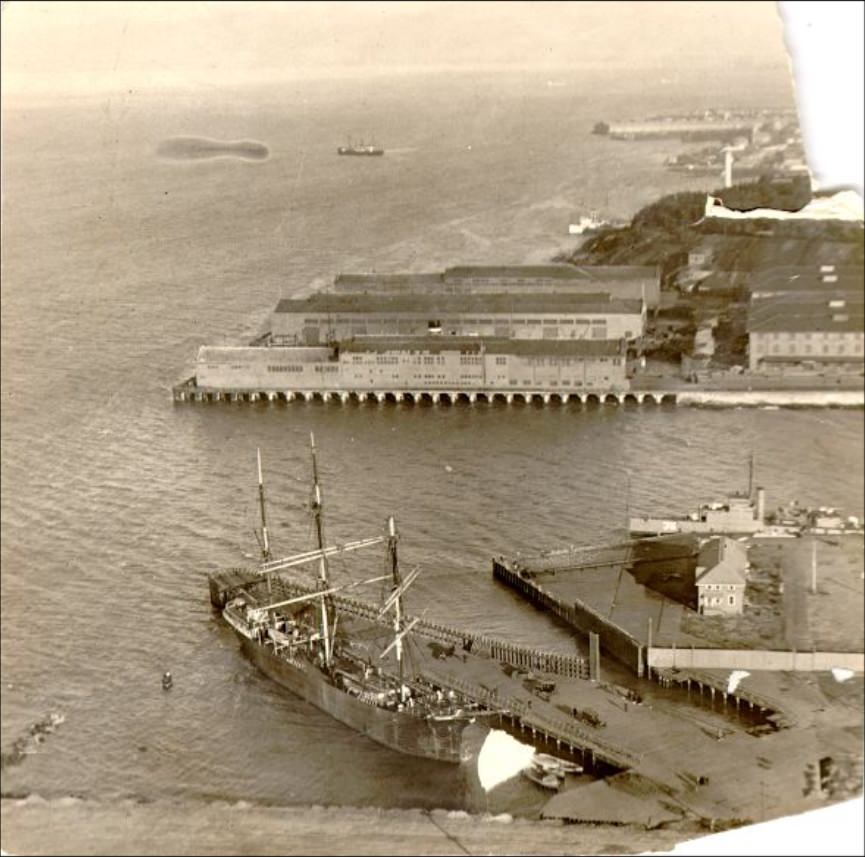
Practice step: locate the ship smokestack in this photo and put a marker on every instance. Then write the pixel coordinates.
(761, 505)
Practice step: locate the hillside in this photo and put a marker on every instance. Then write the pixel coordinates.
(674, 225)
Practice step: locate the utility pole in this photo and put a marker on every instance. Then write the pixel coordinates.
(265, 542)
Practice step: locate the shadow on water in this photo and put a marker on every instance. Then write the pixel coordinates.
(201, 148)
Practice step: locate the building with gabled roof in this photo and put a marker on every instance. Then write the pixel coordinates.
(798, 332)
(721, 576)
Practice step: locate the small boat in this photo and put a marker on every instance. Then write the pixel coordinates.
(554, 765)
(359, 149)
(547, 781)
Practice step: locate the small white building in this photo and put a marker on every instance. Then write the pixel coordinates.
(722, 568)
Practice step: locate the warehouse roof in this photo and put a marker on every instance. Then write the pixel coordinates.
(444, 304)
(557, 272)
(790, 313)
(809, 279)
(392, 280)
(436, 344)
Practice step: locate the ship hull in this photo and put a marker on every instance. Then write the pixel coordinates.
(361, 154)
(400, 731)
(641, 527)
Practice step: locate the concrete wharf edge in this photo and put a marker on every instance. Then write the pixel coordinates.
(187, 391)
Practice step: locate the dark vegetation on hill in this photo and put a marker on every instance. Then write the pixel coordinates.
(674, 225)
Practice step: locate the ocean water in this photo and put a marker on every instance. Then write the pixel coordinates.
(116, 503)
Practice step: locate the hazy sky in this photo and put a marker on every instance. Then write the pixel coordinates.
(80, 46)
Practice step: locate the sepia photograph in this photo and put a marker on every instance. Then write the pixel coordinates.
(431, 427)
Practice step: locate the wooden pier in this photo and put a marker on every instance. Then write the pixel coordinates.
(479, 680)
(693, 766)
(718, 685)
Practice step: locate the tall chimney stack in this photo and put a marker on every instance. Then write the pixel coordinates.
(761, 505)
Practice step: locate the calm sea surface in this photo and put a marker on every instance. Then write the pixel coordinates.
(117, 265)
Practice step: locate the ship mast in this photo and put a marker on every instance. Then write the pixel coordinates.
(396, 593)
(326, 603)
(265, 543)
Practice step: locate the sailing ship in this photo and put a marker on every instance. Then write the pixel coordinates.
(328, 655)
(360, 148)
